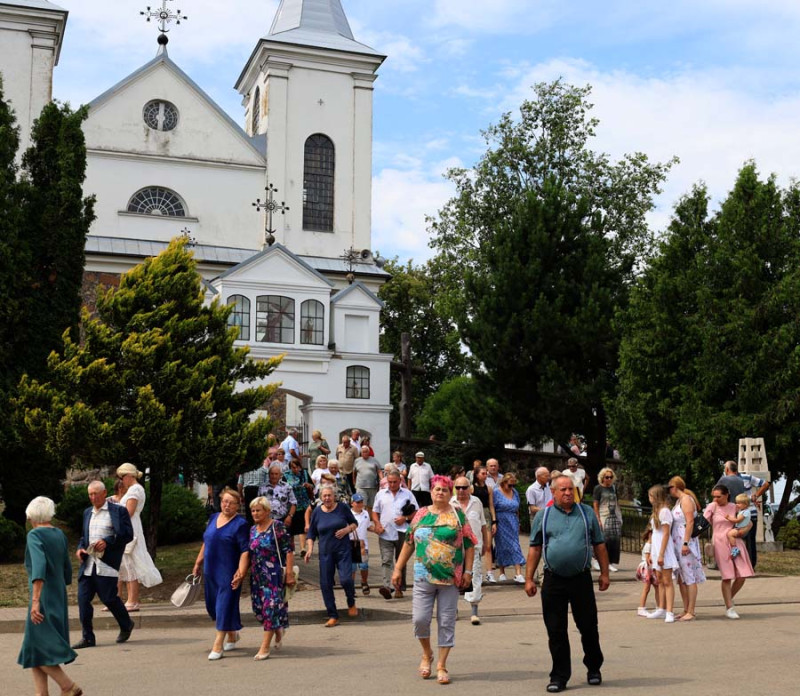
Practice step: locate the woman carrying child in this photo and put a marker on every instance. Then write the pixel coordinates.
(662, 552)
(741, 522)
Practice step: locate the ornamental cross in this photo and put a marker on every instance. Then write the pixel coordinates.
(164, 16)
(271, 206)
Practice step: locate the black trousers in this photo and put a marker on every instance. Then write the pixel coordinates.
(250, 493)
(750, 542)
(106, 589)
(559, 593)
(613, 548)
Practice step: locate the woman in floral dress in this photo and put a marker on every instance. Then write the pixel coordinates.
(443, 545)
(271, 550)
(687, 549)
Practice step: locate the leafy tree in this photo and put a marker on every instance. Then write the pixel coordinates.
(547, 234)
(156, 381)
(409, 299)
(710, 340)
(44, 220)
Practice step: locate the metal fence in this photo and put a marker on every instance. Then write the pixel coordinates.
(635, 520)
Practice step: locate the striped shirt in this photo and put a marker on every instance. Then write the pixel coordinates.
(100, 527)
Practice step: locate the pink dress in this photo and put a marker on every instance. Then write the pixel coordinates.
(729, 568)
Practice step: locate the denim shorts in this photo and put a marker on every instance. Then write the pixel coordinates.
(364, 565)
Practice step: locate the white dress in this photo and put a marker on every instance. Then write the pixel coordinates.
(136, 562)
(670, 561)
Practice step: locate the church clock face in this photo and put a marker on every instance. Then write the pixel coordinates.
(160, 115)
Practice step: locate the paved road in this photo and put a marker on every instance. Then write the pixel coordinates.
(507, 654)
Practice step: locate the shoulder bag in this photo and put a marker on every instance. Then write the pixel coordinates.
(286, 592)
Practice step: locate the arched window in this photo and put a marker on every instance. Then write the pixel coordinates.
(160, 115)
(312, 323)
(274, 319)
(318, 173)
(240, 316)
(256, 110)
(156, 200)
(357, 382)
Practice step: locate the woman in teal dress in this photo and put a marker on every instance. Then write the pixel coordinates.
(46, 643)
(271, 550)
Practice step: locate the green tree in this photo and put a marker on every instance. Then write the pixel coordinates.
(156, 381)
(536, 307)
(409, 306)
(709, 351)
(44, 220)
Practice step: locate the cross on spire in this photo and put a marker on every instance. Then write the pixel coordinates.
(164, 16)
(271, 206)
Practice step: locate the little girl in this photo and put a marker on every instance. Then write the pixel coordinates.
(662, 553)
(741, 522)
(646, 574)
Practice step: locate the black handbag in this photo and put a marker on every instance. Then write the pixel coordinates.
(408, 509)
(355, 549)
(700, 525)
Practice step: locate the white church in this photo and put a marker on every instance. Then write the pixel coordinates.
(165, 160)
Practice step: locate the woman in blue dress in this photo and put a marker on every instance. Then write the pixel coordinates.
(271, 550)
(223, 560)
(333, 523)
(506, 540)
(46, 644)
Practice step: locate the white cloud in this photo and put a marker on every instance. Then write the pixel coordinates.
(477, 16)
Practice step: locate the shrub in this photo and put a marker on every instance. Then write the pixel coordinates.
(70, 509)
(12, 539)
(183, 515)
(790, 535)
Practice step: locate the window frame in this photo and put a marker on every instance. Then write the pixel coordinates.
(236, 312)
(318, 330)
(160, 191)
(264, 331)
(163, 105)
(319, 183)
(357, 390)
(255, 120)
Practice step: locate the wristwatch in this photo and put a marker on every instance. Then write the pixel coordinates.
(467, 572)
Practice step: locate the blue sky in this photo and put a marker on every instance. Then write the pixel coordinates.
(712, 81)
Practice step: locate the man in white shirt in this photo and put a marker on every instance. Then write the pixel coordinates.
(355, 438)
(419, 479)
(473, 510)
(391, 525)
(539, 493)
(291, 447)
(493, 471)
(577, 476)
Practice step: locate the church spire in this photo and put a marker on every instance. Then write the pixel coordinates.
(319, 23)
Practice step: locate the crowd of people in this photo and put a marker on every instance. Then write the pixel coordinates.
(457, 532)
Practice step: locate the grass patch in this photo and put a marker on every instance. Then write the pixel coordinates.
(779, 563)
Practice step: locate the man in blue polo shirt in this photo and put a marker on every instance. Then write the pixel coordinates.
(565, 534)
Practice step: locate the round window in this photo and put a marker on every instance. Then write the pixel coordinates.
(160, 115)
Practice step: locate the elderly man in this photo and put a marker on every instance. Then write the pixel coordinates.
(565, 534)
(473, 511)
(346, 455)
(290, 446)
(106, 530)
(250, 482)
(538, 495)
(394, 507)
(578, 477)
(494, 475)
(754, 487)
(280, 495)
(367, 471)
(355, 438)
(420, 474)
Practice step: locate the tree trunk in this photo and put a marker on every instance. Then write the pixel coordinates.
(596, 446)
(156, 490)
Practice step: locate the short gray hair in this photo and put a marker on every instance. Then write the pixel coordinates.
(542, 470)
(40, 510)
(327, 487)
(275, 465)
(96, 485)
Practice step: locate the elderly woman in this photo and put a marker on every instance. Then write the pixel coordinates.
(321, 468)
(280, 494)
(506, 541)
(609, 515)
(687, 550)
(443, 545)
(45, 646)
(223, 560)
(332, 523)
(734, 571)
(343, 489)
(297, 477)
(137, 567)
(271, 551)
(318, 447)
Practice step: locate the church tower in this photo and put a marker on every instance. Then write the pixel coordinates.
(31, 32)
(308, 86)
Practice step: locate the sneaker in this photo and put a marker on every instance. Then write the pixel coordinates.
(502, 577)
(475, 620)
(669, 618)
(657, 614)
(731, 613)
(613, 568)
(642, 611)
(595, 564)
(735, 552)
(490, 577)
(519, 579)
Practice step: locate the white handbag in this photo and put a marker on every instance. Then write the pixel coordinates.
(187, 592)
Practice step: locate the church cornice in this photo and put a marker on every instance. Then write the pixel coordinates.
(44, 21)
(167, 159)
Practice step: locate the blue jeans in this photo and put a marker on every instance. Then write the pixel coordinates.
(341, 561)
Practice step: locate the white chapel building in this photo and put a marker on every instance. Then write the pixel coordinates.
(164, 160)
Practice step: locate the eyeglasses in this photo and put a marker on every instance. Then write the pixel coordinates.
(462, 488)
(607, 477)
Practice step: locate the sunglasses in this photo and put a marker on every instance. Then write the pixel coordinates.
(462, 488)
(607, 477)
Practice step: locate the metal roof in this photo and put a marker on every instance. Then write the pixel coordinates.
(35, 4)
(317, 23)
(358, 285)
(269, 251)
